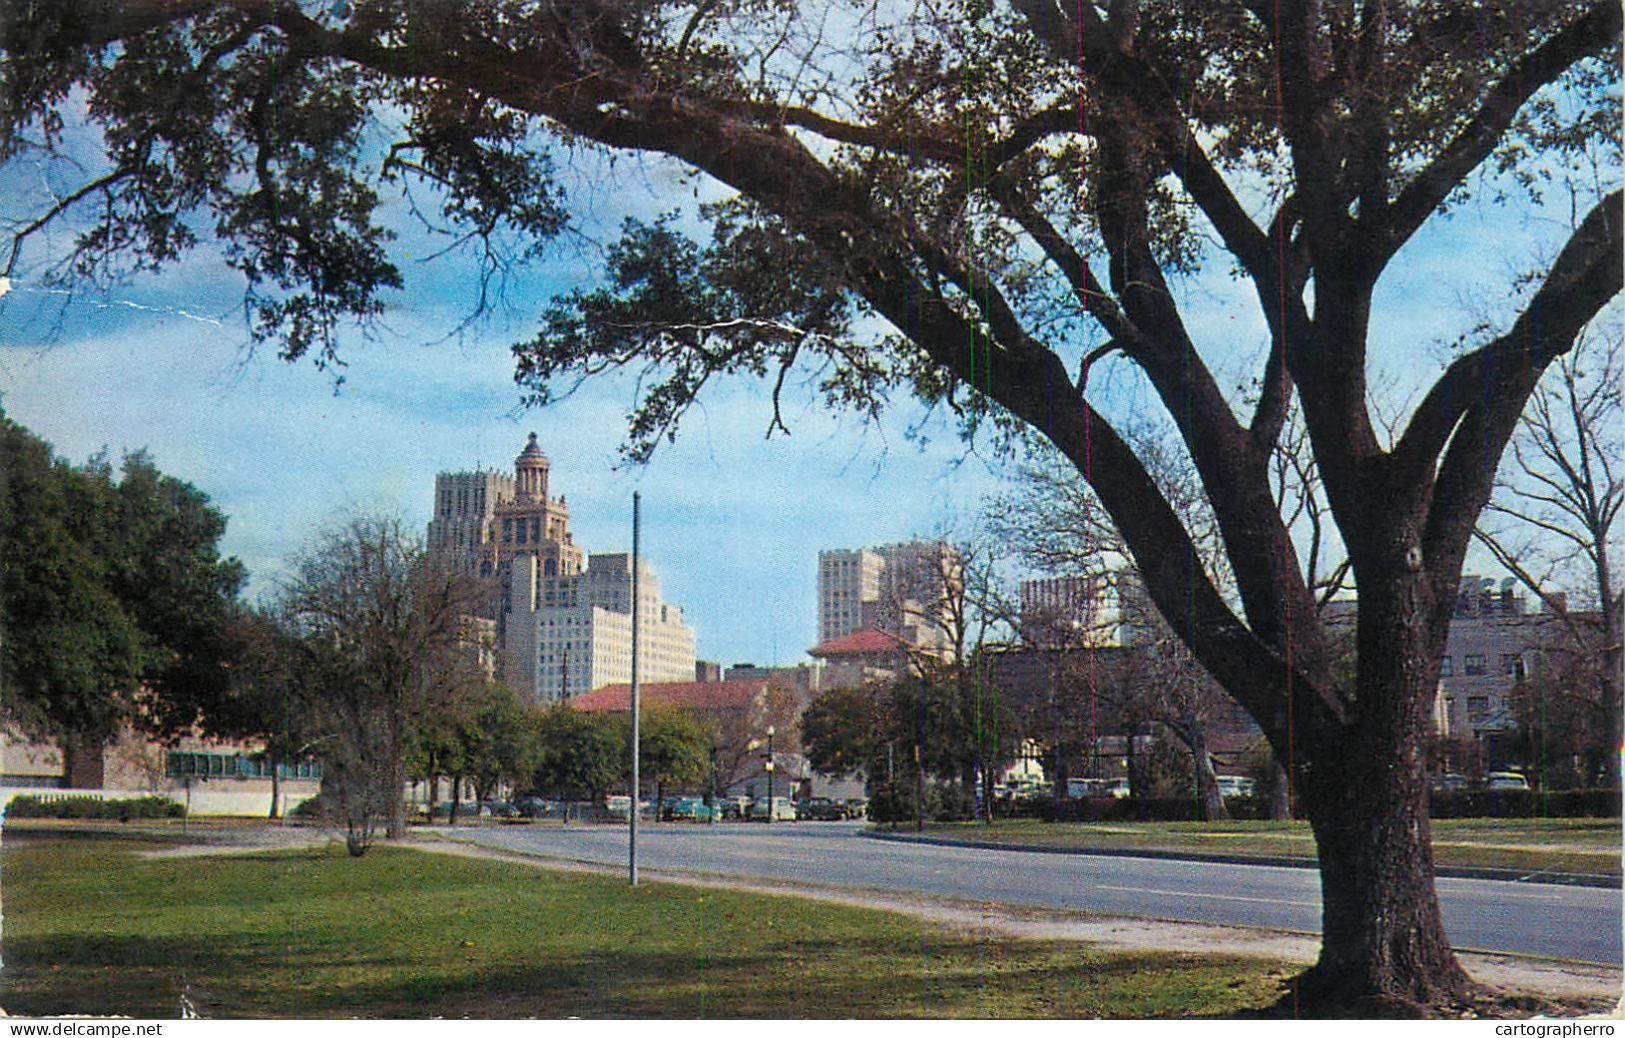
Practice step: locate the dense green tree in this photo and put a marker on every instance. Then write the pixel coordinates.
(920, 741)
(266, 699)
(70, 655)
(582, 756)
(947, 173)
(162, 541)
(115, 605)
(497, 741)
(674, 749)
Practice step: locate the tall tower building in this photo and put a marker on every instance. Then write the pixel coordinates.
(464, 505)
(902, 589)
(563, 623)
(846, 580)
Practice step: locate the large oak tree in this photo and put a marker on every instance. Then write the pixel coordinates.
(1010, 193)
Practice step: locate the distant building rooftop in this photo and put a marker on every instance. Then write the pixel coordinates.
(865, 641)
(696, 695)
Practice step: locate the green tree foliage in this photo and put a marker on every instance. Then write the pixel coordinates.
(674, 749)
(480, 743)
(115, 605)
(266, 699)
(162, 540)
(581, 756)
(976, 204)
(956, 732)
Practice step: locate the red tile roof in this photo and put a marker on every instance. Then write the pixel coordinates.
(698, 695)
(865, 641)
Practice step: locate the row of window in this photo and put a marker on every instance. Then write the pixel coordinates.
(236, 765)
(1473, 665)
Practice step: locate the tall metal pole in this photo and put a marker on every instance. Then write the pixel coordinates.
(770, 774)
(632, 841)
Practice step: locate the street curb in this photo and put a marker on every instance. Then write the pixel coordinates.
(1566, 879)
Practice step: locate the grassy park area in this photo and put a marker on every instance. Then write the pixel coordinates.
(1534, 844)
(94, 926)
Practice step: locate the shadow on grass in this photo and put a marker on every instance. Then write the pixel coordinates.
(250, 975)
(796, 982)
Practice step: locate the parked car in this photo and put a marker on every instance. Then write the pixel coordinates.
(857, 807)
(1096, 787)
(735, 807)
(1449, 782)
(690, 809)
(821, 809)
(499, 809)
(783, 810)
(538, 807)
(1506, 780)
(619, 805)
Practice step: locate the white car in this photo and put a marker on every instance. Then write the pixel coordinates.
(1507, 780)
(783, 809)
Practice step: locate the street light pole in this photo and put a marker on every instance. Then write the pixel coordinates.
(632, 838)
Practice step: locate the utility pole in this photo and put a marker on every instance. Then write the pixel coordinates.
(632, 840)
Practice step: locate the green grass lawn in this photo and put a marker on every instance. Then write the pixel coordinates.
(1554, 844)
(91, 927)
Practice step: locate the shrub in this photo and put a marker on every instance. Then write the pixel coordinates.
(82, 807)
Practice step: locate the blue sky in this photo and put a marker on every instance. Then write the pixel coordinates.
(733, 521)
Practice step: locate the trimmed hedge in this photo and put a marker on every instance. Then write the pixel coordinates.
(91, 807)
(1467, 803)
(1525, 803)
(1143, 809)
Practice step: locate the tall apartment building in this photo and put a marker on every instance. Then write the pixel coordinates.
(902, 589)
(563, 621)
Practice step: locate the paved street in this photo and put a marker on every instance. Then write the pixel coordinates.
(1569, 922)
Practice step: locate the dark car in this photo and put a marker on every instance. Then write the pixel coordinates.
(538, 807)
(822, 809)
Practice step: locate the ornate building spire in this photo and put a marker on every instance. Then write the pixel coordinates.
(530, 472)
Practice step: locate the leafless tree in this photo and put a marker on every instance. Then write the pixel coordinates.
(1059, 527)
(1551, 525)
(382, 647)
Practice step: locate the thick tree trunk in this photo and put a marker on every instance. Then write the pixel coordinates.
(1610, 679)
(1364, 789)
(1383, 946)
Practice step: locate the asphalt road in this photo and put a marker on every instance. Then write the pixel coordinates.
(1490, 915)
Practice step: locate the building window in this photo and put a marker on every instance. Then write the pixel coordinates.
(1447, 668)
(1478, 709)
(180, 764)
(1475, 665)
(1512, 663)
